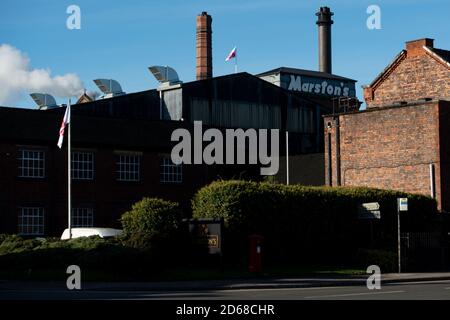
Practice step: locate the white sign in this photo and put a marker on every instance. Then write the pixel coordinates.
(369, 210)
(297, 83)
(403, 204)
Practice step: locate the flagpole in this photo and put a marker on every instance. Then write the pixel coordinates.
(287, 157)
(235, 62)
(69, 174)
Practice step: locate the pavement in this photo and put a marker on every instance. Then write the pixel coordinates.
(228, 284)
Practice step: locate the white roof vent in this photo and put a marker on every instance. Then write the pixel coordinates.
(44, 101)
(109, 87)
(166, 76)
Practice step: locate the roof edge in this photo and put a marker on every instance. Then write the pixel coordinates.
(437, 57)
(398, 58)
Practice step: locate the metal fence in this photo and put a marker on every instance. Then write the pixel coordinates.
(425, 251)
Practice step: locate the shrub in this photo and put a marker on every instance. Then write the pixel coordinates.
(150, 222)
(15, 243)
(299, 221)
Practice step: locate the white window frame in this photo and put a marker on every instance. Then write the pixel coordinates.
(82, 217)
(31, 221)
(170, 172)
(29, 165)
(82, 168)
(128, 166)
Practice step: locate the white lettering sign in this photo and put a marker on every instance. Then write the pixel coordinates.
(325, 88)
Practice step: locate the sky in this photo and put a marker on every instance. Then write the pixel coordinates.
(121, 39)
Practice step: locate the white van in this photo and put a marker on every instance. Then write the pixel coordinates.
(88, 232)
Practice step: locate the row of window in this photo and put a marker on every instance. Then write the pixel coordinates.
(31, 219)
(128, 166)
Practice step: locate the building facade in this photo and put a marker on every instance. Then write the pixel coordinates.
(121, 150)
(122, 142)
(401, 141)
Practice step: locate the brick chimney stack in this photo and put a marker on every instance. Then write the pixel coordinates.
(204, 46)
(415, 47)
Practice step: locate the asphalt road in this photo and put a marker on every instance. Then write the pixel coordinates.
(430, 290)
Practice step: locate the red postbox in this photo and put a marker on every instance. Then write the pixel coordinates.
(255, 253)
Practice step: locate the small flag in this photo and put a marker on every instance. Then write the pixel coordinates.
(64, 123)
(232, 54)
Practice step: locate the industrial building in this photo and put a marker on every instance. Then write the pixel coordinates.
(121, 142)
(402, 140)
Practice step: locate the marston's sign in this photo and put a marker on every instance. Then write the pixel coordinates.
(318, 86)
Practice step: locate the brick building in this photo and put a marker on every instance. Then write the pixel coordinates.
(121, 149)
(417, 72)
(402, 140)
(121, 143)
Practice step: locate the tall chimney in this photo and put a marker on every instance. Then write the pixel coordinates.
(204, 46)
(324, 22)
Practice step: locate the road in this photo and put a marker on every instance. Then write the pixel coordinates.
(425, 290)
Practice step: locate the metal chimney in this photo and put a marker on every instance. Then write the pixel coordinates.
(324, 22)
(204, 46)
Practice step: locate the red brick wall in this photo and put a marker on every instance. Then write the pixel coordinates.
(108, 197)
(417, 76)
(388, 148)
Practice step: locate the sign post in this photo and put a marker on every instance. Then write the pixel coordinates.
(402, 205)
(369, 212)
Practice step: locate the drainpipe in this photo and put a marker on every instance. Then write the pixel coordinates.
(338, 152)
(330, 157)
(432, 181)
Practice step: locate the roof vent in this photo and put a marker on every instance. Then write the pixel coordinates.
(44, 101)
(109, 87)
(166, 76)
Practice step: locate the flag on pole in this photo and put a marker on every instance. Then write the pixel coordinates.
(65, 122)
(232, 54)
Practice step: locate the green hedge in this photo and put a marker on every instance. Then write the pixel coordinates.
(20, 256)
(151, 222)
(298, 221)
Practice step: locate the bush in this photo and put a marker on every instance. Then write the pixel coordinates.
(150, 222)
(21, 256)
(304, 222)
(15, 244)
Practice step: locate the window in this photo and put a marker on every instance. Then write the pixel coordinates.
(128, 167)
(31, 164)
(170, 172)
(31, 221)
(82, 217)
(82, 165)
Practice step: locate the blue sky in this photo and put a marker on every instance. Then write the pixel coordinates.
(120, 39)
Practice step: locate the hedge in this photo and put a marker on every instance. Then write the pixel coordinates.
(299, 221)
(20, 256)
(150, 223)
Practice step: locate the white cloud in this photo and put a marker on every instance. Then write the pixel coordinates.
(17, 78)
